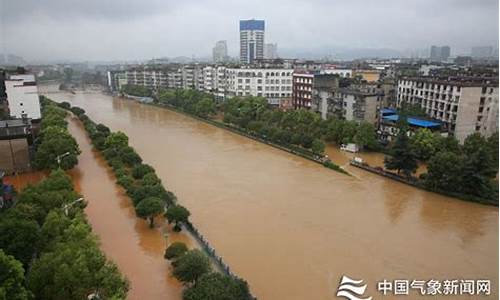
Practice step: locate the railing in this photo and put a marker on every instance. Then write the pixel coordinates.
(223, 267)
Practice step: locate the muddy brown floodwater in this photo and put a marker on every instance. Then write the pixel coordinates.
(290, 227)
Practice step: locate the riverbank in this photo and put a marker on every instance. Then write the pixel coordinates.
(316, 158)
(417, 183)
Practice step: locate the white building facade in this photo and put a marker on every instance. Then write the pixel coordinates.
(464, 107)
(22, 97)
(273, 84)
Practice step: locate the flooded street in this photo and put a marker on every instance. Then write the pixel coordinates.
(126, 239)
(289, 226)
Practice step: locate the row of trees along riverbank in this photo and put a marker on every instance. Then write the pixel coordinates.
(47, 249)
(151, 199)
(466, 171)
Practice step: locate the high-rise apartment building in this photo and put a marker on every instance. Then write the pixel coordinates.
(440, 53)
(220, 52)
(482, 52)
(251, 40)
(270, 51)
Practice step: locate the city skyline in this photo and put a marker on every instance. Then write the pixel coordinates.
(91, 30)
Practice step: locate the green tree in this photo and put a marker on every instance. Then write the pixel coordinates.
(150, 179)
(217, 286)
(318, 147)
(190, 266)
(78, 111)
(116, 140)
(56, 141)
(18, 238)
(477, 174)
(74, 268)
(128, 155)
(140, 170)
(401, 155)
(365, 136)
(140, 192)
(53, 120)
(175, 250)
(103, 129)
(12, 278)
(424, 144)
(444, 172)
(205, 107)
(177, 214)
(493, 149)
(149, 208)
(449, 144)
(349, 129)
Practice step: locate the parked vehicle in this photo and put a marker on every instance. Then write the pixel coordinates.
(351, 147)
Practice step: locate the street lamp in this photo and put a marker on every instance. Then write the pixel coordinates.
(67, 206)
(58, 158)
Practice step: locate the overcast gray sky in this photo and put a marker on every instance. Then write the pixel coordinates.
(125, 29)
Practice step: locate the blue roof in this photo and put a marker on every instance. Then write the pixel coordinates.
(414, 121)
(252, 24)
(388, 111)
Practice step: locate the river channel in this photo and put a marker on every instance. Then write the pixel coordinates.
(289, 226)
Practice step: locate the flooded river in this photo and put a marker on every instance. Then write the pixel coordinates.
(290, 227)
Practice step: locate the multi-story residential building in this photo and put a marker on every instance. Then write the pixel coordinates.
(209, 79)
(482, 52)
(152, 78)
(220, 83)
(270, 51)
(273, 84)
(251, 40)
(220, 52)
(302, 89)
(188, 78)
(346, 73)
(199, 80)
(360, 103)
(116, 79)
(323, 102)
(440, 53)
(22, 97)
(174, 79)
(464, 105)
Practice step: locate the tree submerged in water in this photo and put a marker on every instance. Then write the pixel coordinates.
(177, 214)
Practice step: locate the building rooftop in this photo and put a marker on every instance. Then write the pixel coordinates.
(460, 81)
(358, 92)
(414, 121)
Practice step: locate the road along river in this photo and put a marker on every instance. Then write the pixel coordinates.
(289, 226)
